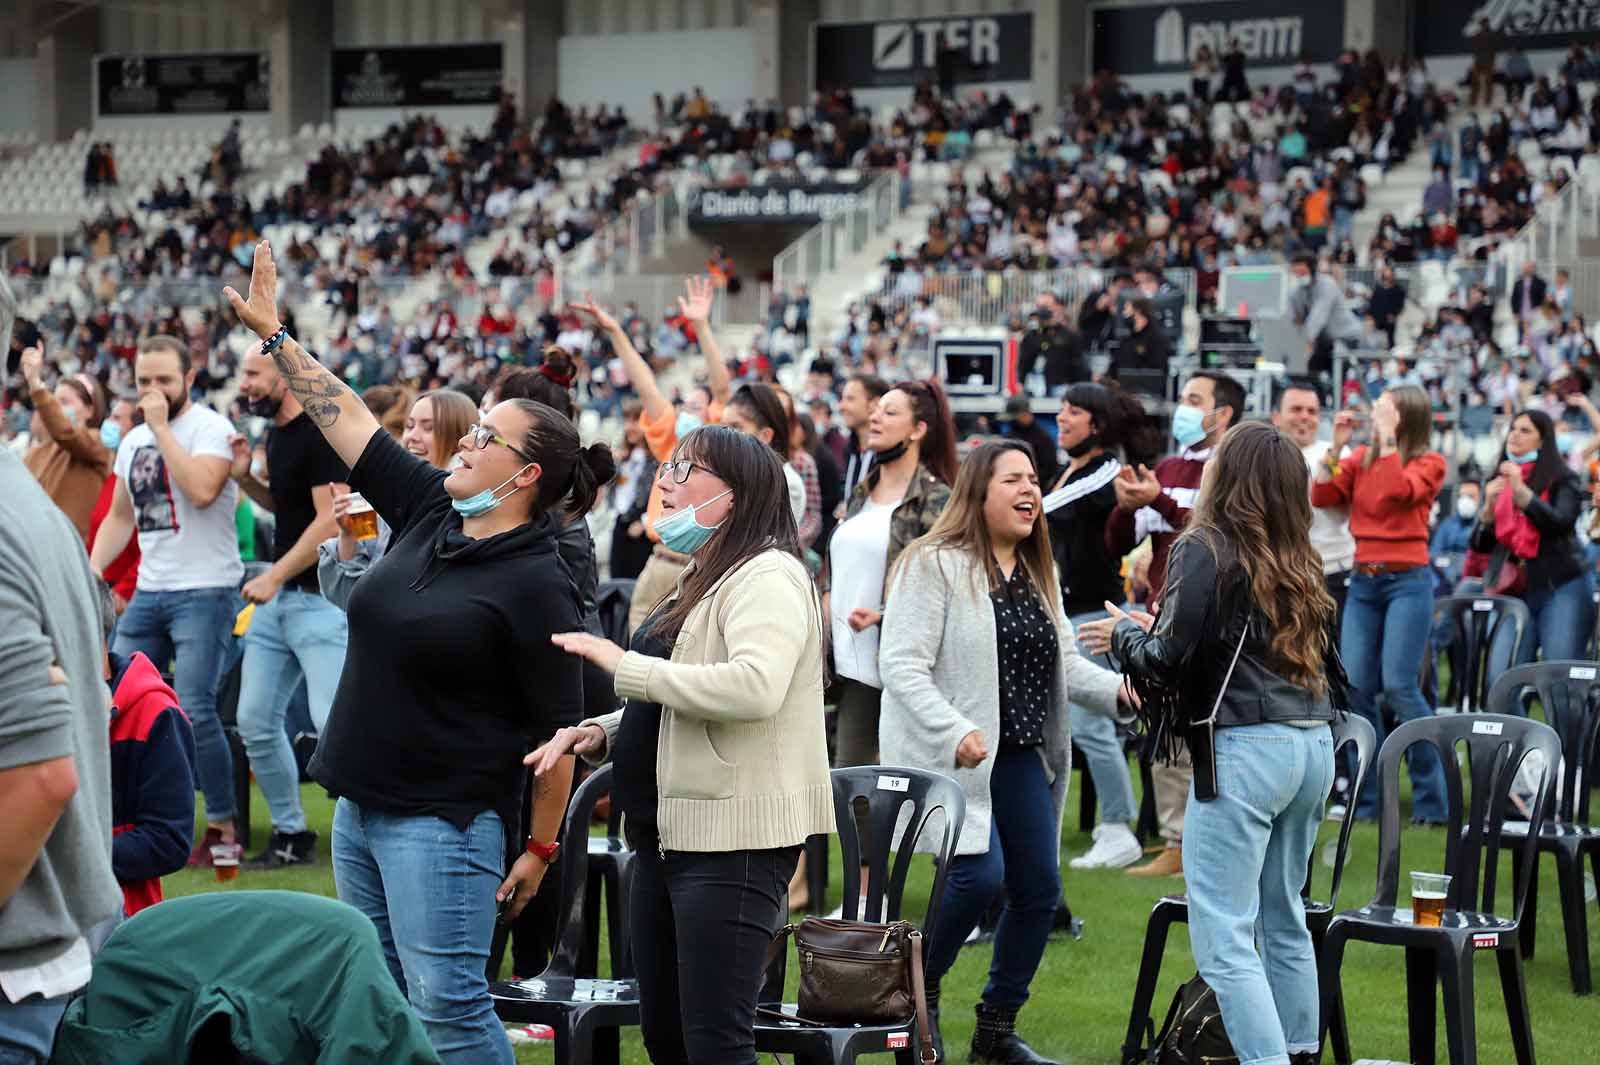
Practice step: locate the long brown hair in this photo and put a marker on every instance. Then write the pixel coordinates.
(453, 412)
(937, 449)
(390, 404)
(1253, 496)
(1414, 433)
(961, 525)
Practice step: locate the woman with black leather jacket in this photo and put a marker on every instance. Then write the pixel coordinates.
(1245, 635)
(1528, 522)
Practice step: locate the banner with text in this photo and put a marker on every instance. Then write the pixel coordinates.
(1164, 38)
(447, 75)
(202, 83)
(1452, 27)
(968, 48)
(775, 203)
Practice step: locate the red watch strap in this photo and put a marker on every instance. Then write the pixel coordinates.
(547, 851)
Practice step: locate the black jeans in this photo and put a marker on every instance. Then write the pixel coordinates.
(701, 924)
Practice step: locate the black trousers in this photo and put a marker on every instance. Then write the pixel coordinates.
(701, 927)
(1338, 585)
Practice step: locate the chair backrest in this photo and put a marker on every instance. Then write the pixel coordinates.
(573, 867)
(613, 600)
(1478, 621)
(1569, 694)
(1356, 733)
(894, 797)
(1496, 747)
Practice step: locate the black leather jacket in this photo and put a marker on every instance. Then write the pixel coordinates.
(1560, 556)
(1179, 666)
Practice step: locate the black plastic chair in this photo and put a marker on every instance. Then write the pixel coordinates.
(1496, 747)
(586, 1013)
(1569, 694)
(895, 797)
(1477, 621)
(1354, 732)
(610, 865)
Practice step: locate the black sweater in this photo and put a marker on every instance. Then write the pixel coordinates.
(1560, 557)
(450, 675)
(1090, 575)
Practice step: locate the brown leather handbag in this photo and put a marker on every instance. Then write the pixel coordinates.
(855, 972)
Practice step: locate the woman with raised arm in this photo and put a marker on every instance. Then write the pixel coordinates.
(70, 457)
(449, 678)
(663, 425)
(721, 766)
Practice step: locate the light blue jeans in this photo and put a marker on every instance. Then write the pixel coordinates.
(429, 890)
(297, 633)
(1244, 857)
(28, 1028)
(1096, 736)
(196, 628)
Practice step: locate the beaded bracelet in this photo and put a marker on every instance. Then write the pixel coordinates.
(275, 341)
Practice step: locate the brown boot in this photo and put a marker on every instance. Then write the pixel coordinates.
(1168, 863)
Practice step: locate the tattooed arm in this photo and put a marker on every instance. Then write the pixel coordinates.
(344, 420)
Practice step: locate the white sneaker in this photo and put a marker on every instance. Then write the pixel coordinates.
(1337, 811)
(1115, 847)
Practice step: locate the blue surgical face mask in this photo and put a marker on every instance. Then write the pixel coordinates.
(681, 530)
(110, 434)
(687, 423)
(1188, 425)
(486, 500)
(1565, 443)
(72, 415)
(1526, 459)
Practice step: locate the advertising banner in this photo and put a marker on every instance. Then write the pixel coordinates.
(1164, 38)
(903, 52)
(446, 75)
(201, 83)
(1452, 27)
(774, 203)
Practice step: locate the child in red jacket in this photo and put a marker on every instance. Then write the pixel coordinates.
(152, 780)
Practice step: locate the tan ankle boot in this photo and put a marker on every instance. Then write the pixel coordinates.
(1168, 863)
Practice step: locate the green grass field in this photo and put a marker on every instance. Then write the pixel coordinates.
(1083, 989)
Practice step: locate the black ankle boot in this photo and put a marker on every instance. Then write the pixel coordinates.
(995, 1041)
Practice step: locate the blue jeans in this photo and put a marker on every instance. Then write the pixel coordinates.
(296, 634)
(28, 1028)
(1387, 619)
(196, 628)
(1563, 620)
(1244, 860)
(1023, 859)
(1096, 736)
(429, 889)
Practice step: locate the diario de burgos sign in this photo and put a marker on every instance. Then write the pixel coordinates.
(774, 203)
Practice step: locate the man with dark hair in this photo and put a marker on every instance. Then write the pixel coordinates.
(173, 492)
(1318, 307)
(1051, 339)
(1140, 363)
(1299, 415)
(1157, 506)
(58, 896)
(861, 394)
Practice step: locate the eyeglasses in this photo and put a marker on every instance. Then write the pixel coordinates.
(679, 470)
(482, 435)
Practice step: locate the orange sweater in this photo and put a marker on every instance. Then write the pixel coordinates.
(1388, 502)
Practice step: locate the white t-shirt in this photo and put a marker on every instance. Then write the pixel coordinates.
(858, 559)
(797, 493)
(180, 545)
(1330, 526)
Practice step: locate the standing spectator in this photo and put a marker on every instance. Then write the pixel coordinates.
(1318, 307)
(630, 497)
(1141, 359)
(58, 896)
(1299, 416)
(72, 463)
(123, 572)
(1529, 522)
(1202, 70)
(1527, 295)
(177, 497)
(1387, 302)
(295, 634)
(1389, 486)
(978, 658)
(1092, 425)
(1020, 424)
(856, 404)
(1484, 43)
(1157, 505)
(1234, 86)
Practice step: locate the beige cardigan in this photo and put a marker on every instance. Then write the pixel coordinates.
(742, 762)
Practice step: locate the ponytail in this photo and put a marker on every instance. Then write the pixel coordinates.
(930, 407)
(596, 466)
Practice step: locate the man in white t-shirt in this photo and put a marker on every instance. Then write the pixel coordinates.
(174, 492)
(1299, 416)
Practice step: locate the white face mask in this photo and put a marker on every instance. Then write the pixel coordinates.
(1466, 508)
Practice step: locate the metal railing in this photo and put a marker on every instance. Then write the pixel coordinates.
(824, 247)
(990, 297)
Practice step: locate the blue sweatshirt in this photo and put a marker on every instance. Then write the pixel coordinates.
(152, 781)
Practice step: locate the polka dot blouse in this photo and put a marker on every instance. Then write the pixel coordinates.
(1025, 638)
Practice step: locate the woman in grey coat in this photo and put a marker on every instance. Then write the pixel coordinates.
(977, 663)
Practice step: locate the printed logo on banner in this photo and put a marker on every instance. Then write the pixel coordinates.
(1169, 38)
(1534, 18)
(891, 46)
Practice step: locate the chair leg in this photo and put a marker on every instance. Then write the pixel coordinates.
(616, 925)
(1528, 931)
(607, 1044)
(1569, 870)
(497, 952)
(589, 956)
(572, 1043)
(1460, 1007)
(1422, 1004)
(817, 872)
(1329, 959)
(1144, 991)
(1515, 990)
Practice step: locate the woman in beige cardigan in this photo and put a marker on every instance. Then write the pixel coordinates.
(68, 457)
(720, 761)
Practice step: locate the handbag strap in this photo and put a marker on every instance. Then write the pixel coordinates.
(919, 994)
(1226, 677)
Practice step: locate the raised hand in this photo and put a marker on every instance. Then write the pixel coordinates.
(1344, 428)
(239, 466)
(696, 306)
(595, 313)
(32, 365)
(580, 740)
(260, 312)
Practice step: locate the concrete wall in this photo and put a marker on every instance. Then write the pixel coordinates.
(19, 88)
(628, 69)
(592, 17)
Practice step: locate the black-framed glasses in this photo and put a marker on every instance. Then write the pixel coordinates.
(680, 470)
(483, 435)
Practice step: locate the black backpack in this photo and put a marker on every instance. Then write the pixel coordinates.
(1193, 1032)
